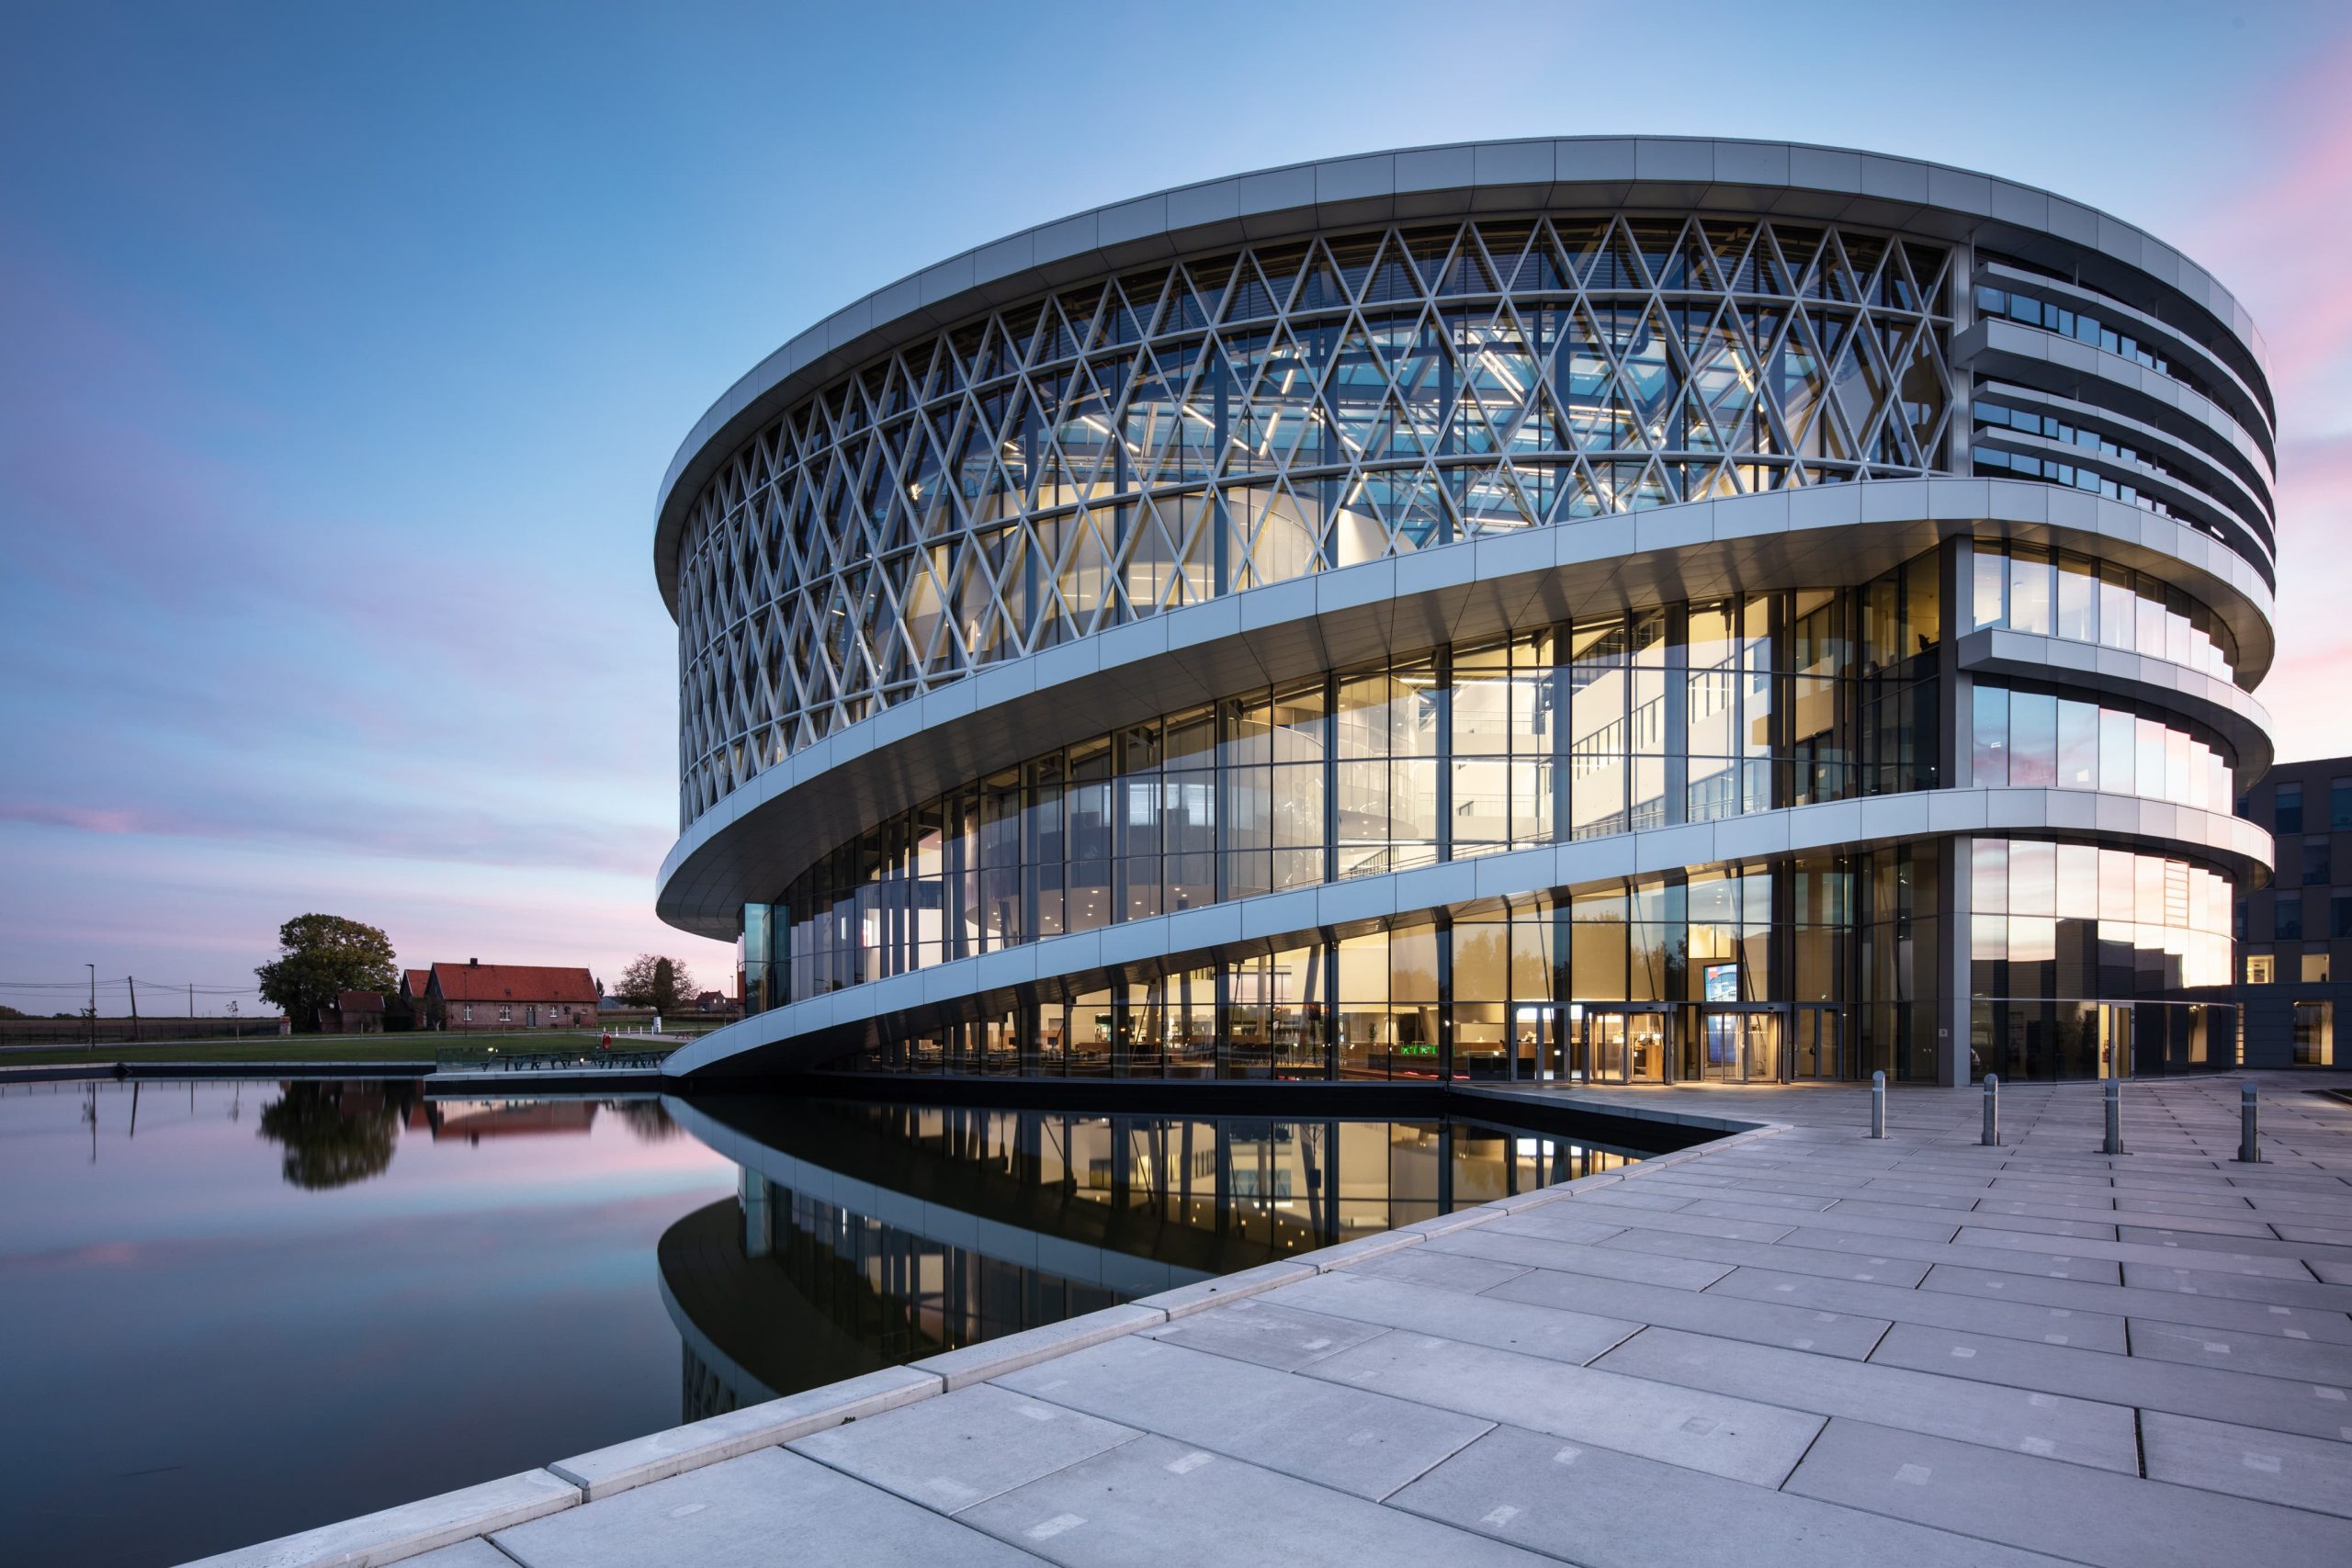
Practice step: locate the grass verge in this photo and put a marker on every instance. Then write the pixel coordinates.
(358, 1049)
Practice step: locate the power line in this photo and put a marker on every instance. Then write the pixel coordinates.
(116, 980)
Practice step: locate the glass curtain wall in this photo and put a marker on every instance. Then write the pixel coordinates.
(1516, 988)
(2076, 951)
(1686, 713)
(2030, 588)
(2039, 738)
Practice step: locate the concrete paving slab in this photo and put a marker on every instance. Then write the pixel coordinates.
(1343, 1253)
(1570, 1336)
(1622, 1195)
(2184, 1253)
(1268, 1332)
(1849, 1213)
(993, 1358)
(2090, 1515)
(1153, 1502)
(1963, 1190)
(2275, 1356)
(2078, 1431)
(2171, 1222)
(1443, 1270)
(1692, 1427)
(474, 1554)
(1203, 1294)
(1794, 1259)
(1981, 1314)
(1553, 1223)
(651, 1458)
(2178, 1216)
(2242, 1399)
(2163, 1233)
(1577, 1258)
(412, 1528)
(1348, 1438)
(2022, 1259)
(2133, 1301)
(2328, 1234)
(2246, 1461)
(1655, 1220)
(1916, 1195)
(1752, 1194)
(1765, 1323)
(2326, 1206)
(2095, 1207)
(2314, 1295)
(1860, 1217)
(1594, 1507)
(964, 1448)
(762, 1508)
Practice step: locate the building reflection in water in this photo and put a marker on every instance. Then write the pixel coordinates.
(866, 1235)
(474, 1119)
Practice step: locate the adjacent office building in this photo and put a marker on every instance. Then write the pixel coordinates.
(1622, 609)
(2293, 986)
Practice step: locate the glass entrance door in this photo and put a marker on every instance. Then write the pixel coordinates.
(1536, 1042)
(1741, 1046)
(1815, 1044)
(1620, 1045)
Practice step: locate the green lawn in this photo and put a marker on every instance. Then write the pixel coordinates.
(356, 1048)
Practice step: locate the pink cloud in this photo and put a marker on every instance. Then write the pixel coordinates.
(42, 814)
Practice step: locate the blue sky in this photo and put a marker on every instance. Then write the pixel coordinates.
(342, 348)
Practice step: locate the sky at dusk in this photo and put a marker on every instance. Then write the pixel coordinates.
(342, 348)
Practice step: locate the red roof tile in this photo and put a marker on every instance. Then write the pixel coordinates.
(514, 983)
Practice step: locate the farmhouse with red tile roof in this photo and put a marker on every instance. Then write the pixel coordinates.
(474, 995)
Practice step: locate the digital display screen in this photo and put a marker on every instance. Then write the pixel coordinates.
(1723, 982)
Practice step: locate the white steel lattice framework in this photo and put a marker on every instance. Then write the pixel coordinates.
(1188, 430)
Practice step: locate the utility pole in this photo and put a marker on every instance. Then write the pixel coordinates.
(94, 1005)
(191, 1003)
(132, 981)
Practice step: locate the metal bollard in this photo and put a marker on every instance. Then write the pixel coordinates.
(1878, 1103)
(1991, 1110)
(2114, 1117)
(2249, 1127)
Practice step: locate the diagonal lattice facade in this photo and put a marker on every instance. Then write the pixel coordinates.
(1204, 427)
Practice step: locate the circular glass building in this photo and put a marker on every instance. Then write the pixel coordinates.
(1629, 610)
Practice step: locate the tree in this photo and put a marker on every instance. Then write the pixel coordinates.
(320, 956)
(652, 981)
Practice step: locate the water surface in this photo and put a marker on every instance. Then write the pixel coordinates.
(236, 1310)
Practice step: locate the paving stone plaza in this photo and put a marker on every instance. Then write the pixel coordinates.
(1791, 1344)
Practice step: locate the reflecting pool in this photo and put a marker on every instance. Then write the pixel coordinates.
(236, 1310)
